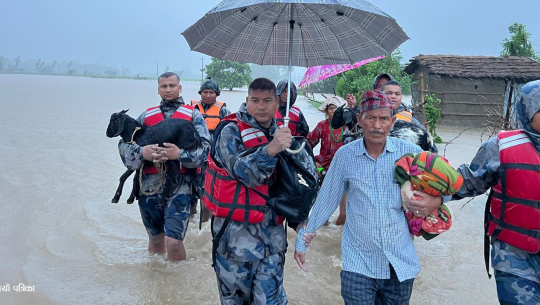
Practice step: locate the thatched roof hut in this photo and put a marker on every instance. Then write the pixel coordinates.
(470, 87)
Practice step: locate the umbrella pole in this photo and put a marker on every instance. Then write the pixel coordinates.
(291, 22)
(286, 118)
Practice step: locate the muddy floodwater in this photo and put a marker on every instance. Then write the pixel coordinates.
(61, 235)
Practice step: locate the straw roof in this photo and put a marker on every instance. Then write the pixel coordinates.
(521, 69)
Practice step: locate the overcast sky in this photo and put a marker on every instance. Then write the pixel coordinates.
(137, 34)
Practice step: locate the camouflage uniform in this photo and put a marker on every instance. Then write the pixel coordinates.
(249, 259)
(517, 272)
(171, 219)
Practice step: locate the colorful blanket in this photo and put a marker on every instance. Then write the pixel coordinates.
(433, 175)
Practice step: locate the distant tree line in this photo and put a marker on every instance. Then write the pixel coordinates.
(75, 68)
(17, 65)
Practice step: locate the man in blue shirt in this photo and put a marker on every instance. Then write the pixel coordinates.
(379, 259)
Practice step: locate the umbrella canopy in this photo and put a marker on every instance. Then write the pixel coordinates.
(295, 33)
(324, 32)
(318, 73)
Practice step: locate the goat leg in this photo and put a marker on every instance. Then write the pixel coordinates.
(123, 179)
(135, 189)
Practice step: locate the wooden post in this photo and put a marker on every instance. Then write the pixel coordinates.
(422, 100)
(506, 124)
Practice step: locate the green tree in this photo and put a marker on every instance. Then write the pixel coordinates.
(54, 64)
(519, 43)
(47, 70)
(71, 71)
(39, 67)
(327, 85)
(360, 80)
(273, 73)
(433, 114)
(17, 61)
(2, 63)
(229, 74)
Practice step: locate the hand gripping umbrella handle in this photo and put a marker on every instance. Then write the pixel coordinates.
(292, 151)
(296, 151)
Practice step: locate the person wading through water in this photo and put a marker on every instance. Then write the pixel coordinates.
(509, 165)
(249, 240)
(213, 112)
(379, 259)
(166, 225)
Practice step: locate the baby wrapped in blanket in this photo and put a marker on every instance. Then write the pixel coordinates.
(433, 175)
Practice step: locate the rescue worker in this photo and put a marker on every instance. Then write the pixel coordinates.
(213, 112)
(166, 225)
(249, 244)
(509, 164)
(297, 124)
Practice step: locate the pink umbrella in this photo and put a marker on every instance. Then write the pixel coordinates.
(318, 73)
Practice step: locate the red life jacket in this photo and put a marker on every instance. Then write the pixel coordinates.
(515, 202)
(227, 197)
(154, 116)
(294, 115)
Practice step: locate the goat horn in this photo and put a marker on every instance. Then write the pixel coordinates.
(124, 111)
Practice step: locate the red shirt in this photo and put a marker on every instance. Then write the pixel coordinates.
(329, 144)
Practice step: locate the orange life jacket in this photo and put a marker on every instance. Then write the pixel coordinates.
(514, 215)
(211, 117)
(404, 116)
(227, 197)
(154, 116)
(294, 116)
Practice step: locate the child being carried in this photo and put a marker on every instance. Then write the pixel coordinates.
(433, 175)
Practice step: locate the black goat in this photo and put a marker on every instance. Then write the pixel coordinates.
(411, 132)
(182, 133)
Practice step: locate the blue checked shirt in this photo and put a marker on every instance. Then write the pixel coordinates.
(376, 233)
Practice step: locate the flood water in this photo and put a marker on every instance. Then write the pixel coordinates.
(60, 233)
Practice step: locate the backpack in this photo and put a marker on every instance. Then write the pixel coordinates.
(296, 183)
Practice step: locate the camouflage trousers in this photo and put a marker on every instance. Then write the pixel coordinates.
(171, 219)
(513, 289)
(258, 282)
